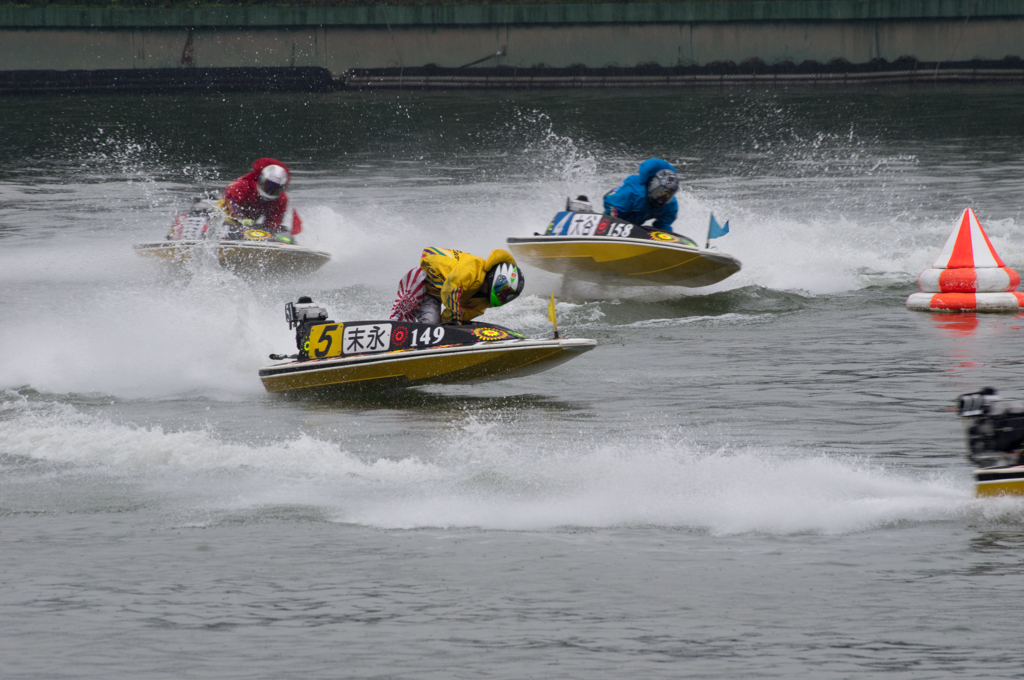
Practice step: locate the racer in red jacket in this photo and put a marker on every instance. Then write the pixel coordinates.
(260, 193)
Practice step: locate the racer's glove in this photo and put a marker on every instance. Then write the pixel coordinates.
(232, 212)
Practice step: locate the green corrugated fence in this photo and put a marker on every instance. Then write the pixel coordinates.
(456, 15)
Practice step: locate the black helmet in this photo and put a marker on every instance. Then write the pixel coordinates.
(662, 187)
(503, 283)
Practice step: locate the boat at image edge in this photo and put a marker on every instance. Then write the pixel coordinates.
(1005, 480)
(995, 442)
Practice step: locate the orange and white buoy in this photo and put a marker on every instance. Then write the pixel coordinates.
(969, 276)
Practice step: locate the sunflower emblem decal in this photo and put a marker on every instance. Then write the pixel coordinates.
(257, 235)
(486, 334)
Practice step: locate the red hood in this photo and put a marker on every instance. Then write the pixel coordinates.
(259, 164)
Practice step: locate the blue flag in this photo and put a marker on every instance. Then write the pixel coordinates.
(715, 230)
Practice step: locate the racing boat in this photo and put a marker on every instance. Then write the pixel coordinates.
(238, 245)
(995, 435)
(355, 355)
(585, 245)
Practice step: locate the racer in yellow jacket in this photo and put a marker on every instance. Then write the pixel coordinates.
(464, 284)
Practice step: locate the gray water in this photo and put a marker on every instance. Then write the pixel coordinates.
(763, 478)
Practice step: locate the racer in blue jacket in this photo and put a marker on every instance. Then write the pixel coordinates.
(648, 195)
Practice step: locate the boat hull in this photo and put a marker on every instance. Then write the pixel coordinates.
(625, 262)
(479, 362)
(264, 258)
(999, 481)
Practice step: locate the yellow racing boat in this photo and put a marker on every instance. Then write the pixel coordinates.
(357, 355)
(261, 257)
(995, 440)
(602, 249)
(999, 481)
(243, 248)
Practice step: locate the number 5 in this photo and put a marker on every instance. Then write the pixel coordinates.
(326, 332)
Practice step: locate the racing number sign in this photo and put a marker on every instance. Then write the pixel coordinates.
(588, 224)
(335, 339)
(325, 340)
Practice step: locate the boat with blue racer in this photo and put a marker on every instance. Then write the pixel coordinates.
(589, 246)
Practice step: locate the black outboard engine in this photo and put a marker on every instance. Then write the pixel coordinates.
(995, 428)
(579, 204)
(302, 315)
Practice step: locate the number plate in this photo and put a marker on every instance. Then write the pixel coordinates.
(189, 228)
(325, 340)
(366, 338)
(588, 224)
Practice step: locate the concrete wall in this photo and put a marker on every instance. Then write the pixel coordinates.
(553, 35)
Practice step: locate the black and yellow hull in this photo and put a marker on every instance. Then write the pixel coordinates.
(999, 481)
(261, 258)
(478, 362)
(624, 261)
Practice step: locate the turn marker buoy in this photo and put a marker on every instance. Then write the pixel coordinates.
(968, 275)
(991, 280)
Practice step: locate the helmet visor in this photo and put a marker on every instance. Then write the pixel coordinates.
(662, 187)
(270, 188)
(505, 288)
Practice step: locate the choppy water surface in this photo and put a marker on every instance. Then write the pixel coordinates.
(759, 479)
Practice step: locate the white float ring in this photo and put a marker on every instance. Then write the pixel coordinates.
(966, 302)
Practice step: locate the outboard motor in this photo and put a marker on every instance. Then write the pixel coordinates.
(579, 204)
(995, 428)
(301, 315)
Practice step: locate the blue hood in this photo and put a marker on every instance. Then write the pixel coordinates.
(650, 168)
(629, 201)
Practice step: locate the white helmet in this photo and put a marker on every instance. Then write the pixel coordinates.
(272, 182)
